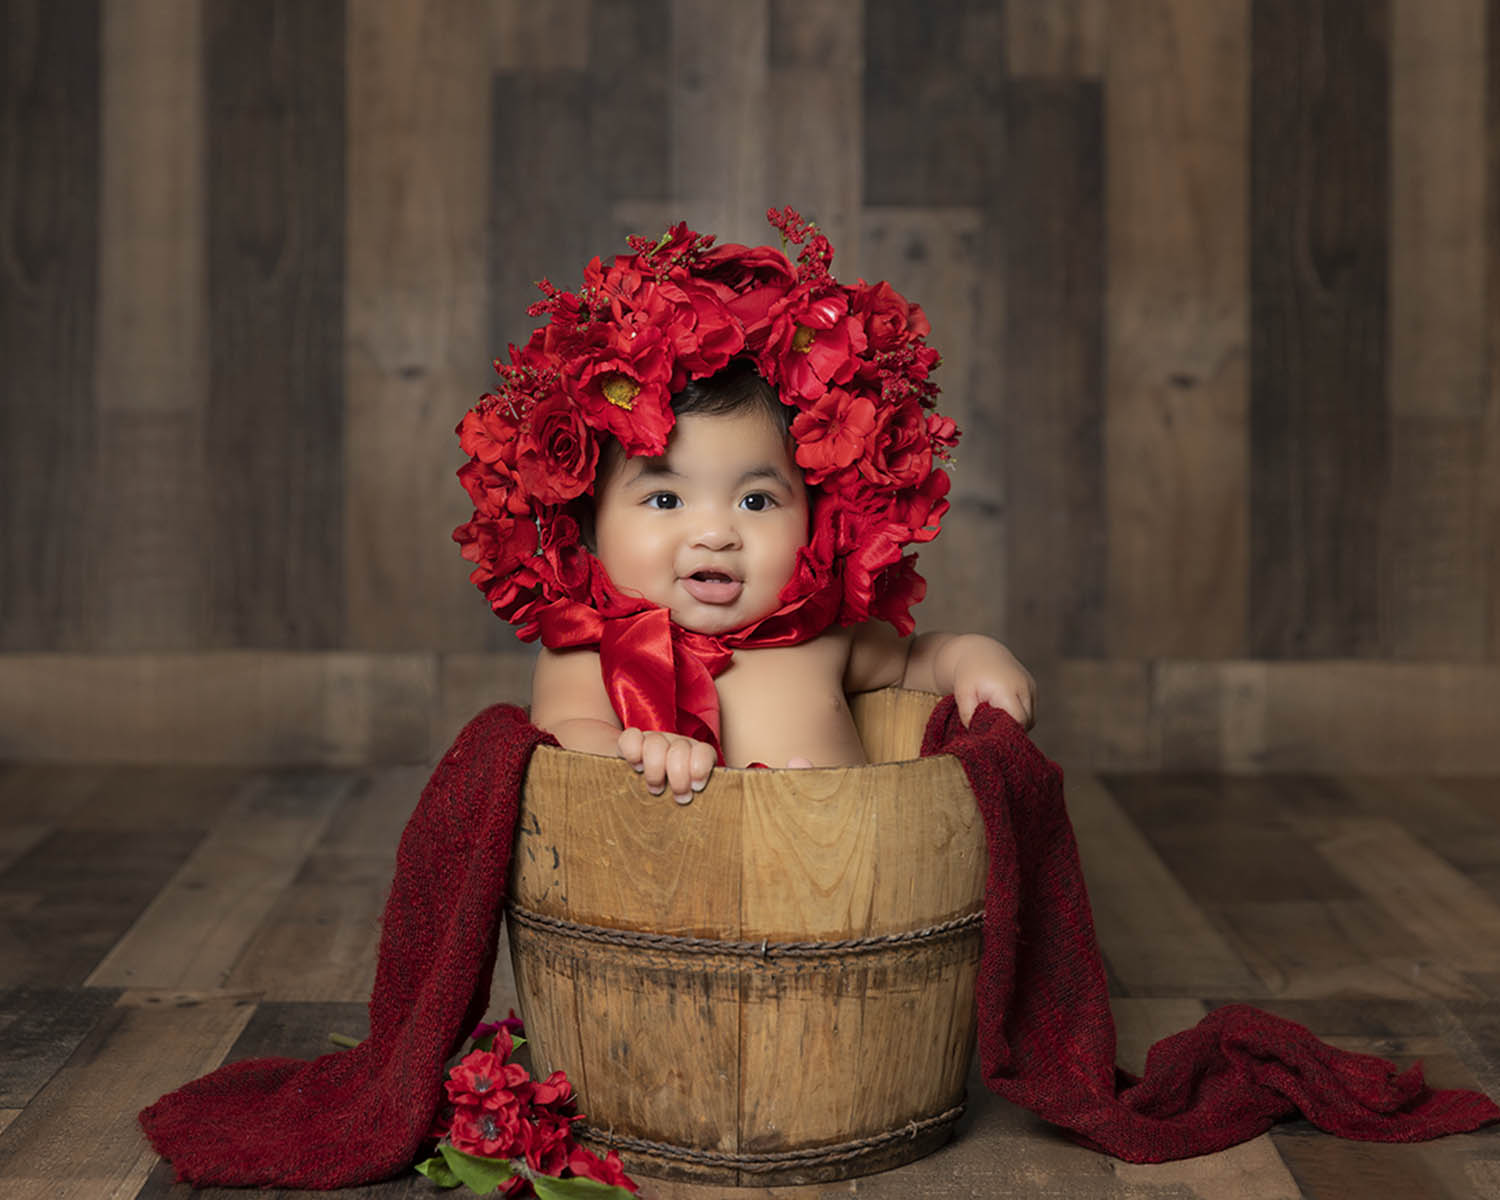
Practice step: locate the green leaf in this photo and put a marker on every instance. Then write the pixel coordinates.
(550, 1188)
(480, 1175)
(437, 1169)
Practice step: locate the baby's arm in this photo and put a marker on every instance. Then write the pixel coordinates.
(972, 667)
(568, 700)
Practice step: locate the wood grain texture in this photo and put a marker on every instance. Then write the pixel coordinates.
(932, 256)
(49, 200)
(1052, 415)
(152, 359)
(1488, 514)
(815, 123)
(200, 922)
(1319, 252)
(1176, 325)
(720, 157)
(66, 901)
(242, 707)
(135, 1053)
(274, 438)
(1067, 39)
(1435, 596)
(1157, 939)
(39, 1030)
(931, 67)
(417, 305)
(764, 1054)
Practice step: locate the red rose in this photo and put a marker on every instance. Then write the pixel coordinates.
(704, 334)
(556, 452)
(832, 433)
(750, 282)
(889, 319)
(900, 450)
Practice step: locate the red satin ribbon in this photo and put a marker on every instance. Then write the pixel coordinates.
(661, 676)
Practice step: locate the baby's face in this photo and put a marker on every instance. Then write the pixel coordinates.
(710, 529)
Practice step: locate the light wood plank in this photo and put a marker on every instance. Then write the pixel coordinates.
(130, 1059)
(720, 92)
(1157, 939)
(1177, 328)
(1096, 715)
(1488, 513)
(815, 51)
(201, 921)
(151, 370)
(248, 707)
(1450, 915)
(417, 314)
(469, 683)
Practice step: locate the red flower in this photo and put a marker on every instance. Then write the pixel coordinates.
(896, 590)
(549, 1145)
(485, 1080)
(488, 431)
(626, 390)
(490, 1133)
(587, 1165)
(889, 319)
(494, 488)
(554, 1092)
(704, 334)
(750, 281)
(556, 452)
(832, 433)
(813, 343)
(900, 449)
(497, 544)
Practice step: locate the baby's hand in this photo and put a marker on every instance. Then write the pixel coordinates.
(668, 760)
(988, 673)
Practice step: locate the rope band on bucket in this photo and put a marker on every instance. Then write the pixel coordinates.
(763, 949)
(813, 1156)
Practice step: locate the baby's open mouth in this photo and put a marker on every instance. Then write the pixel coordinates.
(712, 587)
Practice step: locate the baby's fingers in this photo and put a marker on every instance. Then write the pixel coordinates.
(689, 764)
(630, 746)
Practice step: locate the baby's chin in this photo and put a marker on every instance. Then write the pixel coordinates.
(703, 618)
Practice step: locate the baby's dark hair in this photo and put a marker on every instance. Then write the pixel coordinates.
(738, 386)
(735, 388)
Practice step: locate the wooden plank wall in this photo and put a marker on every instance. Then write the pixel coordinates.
(1217, 284)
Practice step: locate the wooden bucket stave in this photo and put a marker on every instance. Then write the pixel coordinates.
(691, 967)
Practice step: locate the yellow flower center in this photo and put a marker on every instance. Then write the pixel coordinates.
(620, 390)
(802, 339)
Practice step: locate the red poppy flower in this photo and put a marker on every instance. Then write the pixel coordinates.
(484, 1079)
(490, 1133)
(813, 344)
(587, 1165)
(625, 389)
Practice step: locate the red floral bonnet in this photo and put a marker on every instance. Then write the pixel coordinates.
(852, 360)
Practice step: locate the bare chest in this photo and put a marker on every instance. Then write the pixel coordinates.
(785, 702)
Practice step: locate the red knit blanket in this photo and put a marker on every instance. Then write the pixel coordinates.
(1046, 1037)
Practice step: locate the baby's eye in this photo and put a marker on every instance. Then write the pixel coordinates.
(662, 500)
(758, 501)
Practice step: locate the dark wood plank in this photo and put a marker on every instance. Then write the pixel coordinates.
(1056, 38)
(275, 129)
(630, 141)
(1489, 510)
(39, 1029)
(933, 66)
(65, 902)
(1049, 213)
(49, 201)
(1318, 227)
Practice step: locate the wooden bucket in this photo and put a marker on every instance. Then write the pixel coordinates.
(773, 984)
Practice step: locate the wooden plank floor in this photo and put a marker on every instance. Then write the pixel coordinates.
(156, 921)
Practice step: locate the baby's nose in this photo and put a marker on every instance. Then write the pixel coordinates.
(718, 536)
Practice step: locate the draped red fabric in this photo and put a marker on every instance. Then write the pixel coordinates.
(1046, 1037)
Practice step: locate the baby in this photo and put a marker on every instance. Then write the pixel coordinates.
(710, 530)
